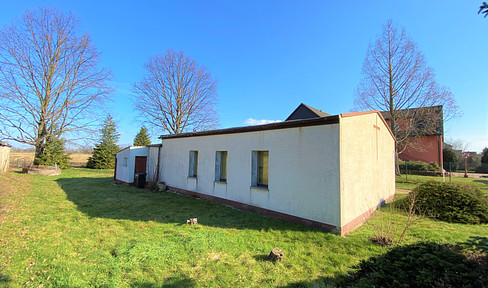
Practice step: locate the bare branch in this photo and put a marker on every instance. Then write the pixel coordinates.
(50, 82)
(177, 94)
(396, 79)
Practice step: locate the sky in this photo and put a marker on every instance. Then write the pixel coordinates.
(270, 56)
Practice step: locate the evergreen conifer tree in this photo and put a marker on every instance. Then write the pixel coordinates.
(142, 138)
(450, 157)
(103, 156)
(53, 153)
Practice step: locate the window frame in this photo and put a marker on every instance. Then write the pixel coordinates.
(125, 161)
(193, 164)
(220, 166)
(258, 169)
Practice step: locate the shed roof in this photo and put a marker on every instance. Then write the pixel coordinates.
(273, 126)
(306, 112)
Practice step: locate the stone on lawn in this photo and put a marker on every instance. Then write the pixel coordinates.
(276, 255)
(192, 221)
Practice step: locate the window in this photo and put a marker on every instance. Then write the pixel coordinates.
(193, 168)
(124, 163)
(260, 167)
(221, 166)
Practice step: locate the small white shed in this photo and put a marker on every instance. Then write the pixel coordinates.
(137, 159)
(4, 156)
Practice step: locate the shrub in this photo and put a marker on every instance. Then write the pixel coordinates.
(413, 166)
(424, 264)
(434, 167)
(483, 168)
(452, 202)
(450, 156)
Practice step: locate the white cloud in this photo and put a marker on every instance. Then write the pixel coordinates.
(252, 121)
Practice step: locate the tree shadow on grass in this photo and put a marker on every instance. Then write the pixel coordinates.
(482, 182)
(421, 264)
(172, 282)
(4, 280)
(101, 198)
(316, 283)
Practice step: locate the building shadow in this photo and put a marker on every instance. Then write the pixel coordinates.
(101, 198)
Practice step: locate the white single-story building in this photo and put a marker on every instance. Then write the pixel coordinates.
(329, 172)
(137, 159)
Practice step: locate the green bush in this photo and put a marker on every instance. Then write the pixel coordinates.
(413, 166)
(450, 156)
(483, 168)
(434, 167)
(424, 264)
(452, 202)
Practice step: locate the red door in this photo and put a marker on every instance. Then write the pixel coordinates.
(140, 166)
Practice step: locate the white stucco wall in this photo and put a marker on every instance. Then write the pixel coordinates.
(303, 169)
(152, 163)
(367, 164)
(122, 171)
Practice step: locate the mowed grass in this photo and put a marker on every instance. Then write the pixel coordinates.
(20, 159)
(411, 181)
(81, 230)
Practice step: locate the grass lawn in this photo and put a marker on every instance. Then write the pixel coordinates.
(80, 230)
(414, 180)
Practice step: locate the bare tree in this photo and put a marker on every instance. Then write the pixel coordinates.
(397, 80)
(483, 9)
(50, 83)
(177, 95)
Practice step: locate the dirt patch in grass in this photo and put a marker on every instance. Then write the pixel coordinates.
(402, 191)
(10, 184)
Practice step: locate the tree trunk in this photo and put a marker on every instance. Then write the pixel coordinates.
(397, 164)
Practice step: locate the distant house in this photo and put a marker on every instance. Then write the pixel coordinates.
(329, 172)
(427, 124)
(306, 112)
(427, 143)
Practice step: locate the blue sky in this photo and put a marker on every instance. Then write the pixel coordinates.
(270, 56)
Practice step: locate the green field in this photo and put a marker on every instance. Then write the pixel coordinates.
(81, 230)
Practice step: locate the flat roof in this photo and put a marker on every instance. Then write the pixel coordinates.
(273, 126)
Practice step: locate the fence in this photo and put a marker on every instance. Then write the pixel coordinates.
(426, 169)
(21, 160)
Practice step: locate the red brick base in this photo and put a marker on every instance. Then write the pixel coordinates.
(123, 182)
(358, 221)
